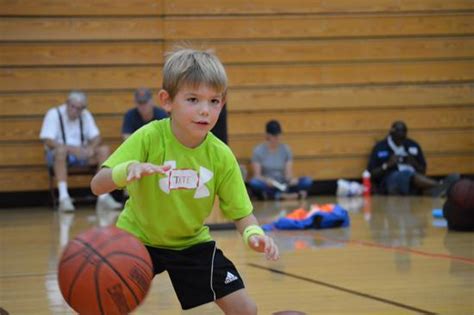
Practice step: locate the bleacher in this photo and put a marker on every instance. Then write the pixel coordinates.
(335, 73)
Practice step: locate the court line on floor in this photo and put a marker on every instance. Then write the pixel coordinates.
(26, 275)
(400, 249)
(336, 287)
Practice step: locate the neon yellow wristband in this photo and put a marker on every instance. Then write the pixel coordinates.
(120, 173)
(251, 230)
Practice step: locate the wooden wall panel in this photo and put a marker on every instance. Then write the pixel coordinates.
(311, 145)
(37, 104)
(248, 7)
(353, 167)
(80, 8)
(359, 143)
(83, 28)
(33, 178)
(339, 74)
(339, 50)
(277, 99)
(95, 78)
(294, 122)
(353, 120)
(308, 26)
(238, 52)
(96, 53)
(32, 153)
(67, 78)
(265, 99)
(336, 73)
(28, 129)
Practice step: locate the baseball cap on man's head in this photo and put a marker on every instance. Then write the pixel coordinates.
(143, 95)
(273, 127)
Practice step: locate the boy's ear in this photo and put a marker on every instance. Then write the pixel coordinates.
(165, 100)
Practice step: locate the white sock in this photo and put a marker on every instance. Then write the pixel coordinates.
(62, 188)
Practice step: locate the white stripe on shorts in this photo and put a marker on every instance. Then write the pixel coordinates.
(212, 270)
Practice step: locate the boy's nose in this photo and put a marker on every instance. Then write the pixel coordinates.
(204, 109)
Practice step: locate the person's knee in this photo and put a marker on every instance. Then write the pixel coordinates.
(250, 307)
(60, 153)
(305, 182)
(257, 184)
(103, 152)
(247, 307)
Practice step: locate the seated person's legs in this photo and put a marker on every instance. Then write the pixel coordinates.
(101, 154)
(302, 187)
(423, 182)
(398, 182)
(433, 187)
(57, 158)
(105, 201)
(261, 189)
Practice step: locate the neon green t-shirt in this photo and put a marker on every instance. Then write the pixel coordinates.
(168, 211)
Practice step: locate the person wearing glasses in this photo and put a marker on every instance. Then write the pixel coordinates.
(71, 138)
(145, 111)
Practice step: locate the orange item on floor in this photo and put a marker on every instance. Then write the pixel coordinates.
(297, 214)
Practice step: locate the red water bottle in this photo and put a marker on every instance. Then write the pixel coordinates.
(366, 183)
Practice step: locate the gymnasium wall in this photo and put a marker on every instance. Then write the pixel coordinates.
(336, 73)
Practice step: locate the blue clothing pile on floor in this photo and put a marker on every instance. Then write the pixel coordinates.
(337, 217)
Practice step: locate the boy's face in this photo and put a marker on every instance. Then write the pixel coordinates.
(194, 112)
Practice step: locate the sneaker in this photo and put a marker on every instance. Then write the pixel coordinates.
(442, 188)
(107, 202)
(66, 204)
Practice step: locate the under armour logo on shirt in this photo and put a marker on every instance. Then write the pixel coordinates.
(186, 179)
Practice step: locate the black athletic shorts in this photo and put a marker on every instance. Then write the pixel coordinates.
(200, 274)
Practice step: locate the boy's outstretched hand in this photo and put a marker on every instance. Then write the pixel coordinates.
(137, 170)
(264, 244)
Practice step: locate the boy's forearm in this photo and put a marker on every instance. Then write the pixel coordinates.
(102, 182)
(242, 223)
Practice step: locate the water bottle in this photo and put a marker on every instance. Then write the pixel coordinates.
(366, 183)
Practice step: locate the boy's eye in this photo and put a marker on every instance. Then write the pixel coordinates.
(192, 99)
(215, 102)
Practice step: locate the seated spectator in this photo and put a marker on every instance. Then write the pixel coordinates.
(272, 164)
(145, 111)
(71, 137)
(397, 166)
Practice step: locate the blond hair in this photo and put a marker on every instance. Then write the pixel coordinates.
(190, 67)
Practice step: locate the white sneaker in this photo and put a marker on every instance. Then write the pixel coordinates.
(107, 202)
(66, 204)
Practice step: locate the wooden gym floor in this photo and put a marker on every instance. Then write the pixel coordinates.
(394, 259)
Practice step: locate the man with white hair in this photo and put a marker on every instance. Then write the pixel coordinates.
(71, 137)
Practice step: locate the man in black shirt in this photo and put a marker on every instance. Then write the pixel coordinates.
(144, 111)
(397, 166)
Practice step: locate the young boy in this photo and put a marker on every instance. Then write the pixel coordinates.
(173, 169)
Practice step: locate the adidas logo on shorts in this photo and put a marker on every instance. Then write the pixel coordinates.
(229, 278)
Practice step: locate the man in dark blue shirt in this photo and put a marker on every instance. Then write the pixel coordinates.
(397, 166)
(144, 112)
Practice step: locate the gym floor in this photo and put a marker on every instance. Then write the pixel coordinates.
(395, 258)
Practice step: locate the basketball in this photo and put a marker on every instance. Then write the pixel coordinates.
(462, 194)
(104, 271)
